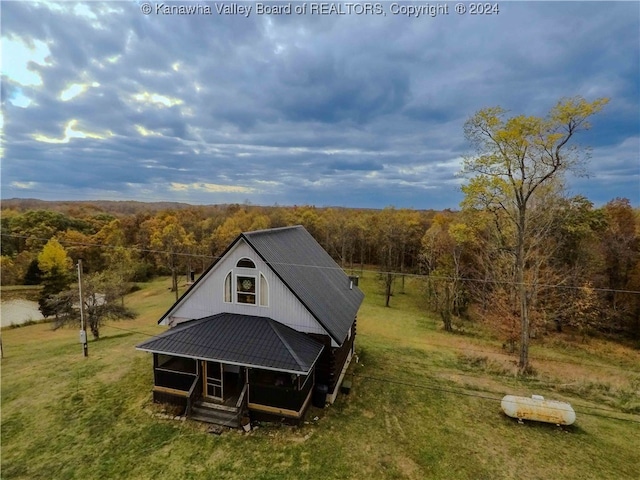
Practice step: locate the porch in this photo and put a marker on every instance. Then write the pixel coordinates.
(226, 365)
(282, 395)
(201, 388)
(220, 393)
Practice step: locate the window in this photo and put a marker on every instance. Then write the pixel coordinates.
(245, 263)
(227, 288)
(246, 289)
(264, 291)
(176, 364)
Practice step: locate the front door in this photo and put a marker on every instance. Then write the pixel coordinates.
(213, 380)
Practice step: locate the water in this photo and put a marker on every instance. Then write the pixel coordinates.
(18, 311)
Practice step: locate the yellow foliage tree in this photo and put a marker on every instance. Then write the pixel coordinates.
(54, 256)
(515, 158)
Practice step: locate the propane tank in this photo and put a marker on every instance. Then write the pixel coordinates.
(538, 409)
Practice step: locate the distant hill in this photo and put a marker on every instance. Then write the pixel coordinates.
(125, 207)
(132, 207)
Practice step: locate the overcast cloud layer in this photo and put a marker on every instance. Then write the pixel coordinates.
(101, 101)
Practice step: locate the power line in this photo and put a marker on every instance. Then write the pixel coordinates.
(452, 391)
(101, 245)
(545, 384)
(376, 272)
(151, 335)
(206, 313)
(465, 349)
(485, 397)
(422, 385)
(331, 268)
(533, 359)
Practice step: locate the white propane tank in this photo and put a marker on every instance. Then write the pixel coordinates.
(538, 409)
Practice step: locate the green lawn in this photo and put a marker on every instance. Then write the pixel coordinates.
(424, 404)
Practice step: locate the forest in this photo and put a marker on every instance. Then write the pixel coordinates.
(582, 265)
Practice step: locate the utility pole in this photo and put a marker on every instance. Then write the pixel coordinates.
(83, 326)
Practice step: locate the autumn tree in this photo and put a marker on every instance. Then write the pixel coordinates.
(31, 227)
(410, 230)
(84, 246)
(394, 232)
(443, 247)
(171, 242)
(9, 271)
(621, 249)
(514, 158)
(242, 220)
(53, 255)
(9, 246)
(575, 238)
(55, 265)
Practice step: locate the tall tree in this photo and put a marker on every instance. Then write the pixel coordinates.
(56, 265)
(443, 245)
(514, 157)
(172, 242)
(621, 247)
(53, 255)
(395, 235)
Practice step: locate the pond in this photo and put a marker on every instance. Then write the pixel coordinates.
(17, 311)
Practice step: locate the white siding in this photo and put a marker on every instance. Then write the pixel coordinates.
(208, 296)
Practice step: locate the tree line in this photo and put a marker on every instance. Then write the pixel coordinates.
(579, 274)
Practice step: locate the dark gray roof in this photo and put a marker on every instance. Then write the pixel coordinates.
(241, 340)
(311, 274)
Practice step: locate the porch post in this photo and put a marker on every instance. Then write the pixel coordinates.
(246, 374)
(155, 368)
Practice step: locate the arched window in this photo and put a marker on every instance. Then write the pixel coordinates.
(264, 291)
(228, 294)
(245, 263)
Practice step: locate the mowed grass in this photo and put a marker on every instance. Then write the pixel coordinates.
(424, 404)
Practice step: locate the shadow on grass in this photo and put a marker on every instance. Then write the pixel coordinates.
(107, 338)
(543, 427)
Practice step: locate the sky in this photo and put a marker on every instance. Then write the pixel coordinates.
(330, 104)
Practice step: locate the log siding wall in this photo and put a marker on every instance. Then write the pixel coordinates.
(332, 360)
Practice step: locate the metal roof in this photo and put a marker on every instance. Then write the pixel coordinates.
(245, 340)
(311, 274)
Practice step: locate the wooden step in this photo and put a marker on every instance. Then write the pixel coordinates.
(215, 406)
(216, 417)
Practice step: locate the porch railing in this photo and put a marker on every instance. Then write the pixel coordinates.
(173, 379)
(287, 398)
(242, 395)
(196, 386)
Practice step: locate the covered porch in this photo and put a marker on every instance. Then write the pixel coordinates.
(234, 363)
(193, 383)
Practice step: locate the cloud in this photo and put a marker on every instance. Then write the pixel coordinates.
(71, 131)
(352, 110)
(209, 188)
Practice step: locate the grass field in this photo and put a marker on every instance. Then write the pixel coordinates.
(424, 404)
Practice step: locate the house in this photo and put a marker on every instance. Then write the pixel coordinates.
(266, 329)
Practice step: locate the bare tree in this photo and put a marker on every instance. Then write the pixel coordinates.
(514, 158)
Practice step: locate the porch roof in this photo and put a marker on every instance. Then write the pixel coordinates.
(235, 339)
